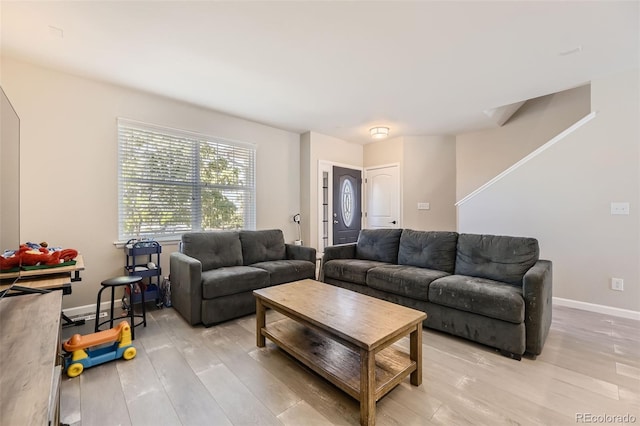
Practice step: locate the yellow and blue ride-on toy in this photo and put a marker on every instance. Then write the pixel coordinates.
(81, 353)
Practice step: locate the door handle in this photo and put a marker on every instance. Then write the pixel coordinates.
(394, 222)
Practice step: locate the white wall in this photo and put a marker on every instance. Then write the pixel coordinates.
(386, 151)
(306, 205)
(484, 154)
(69, 163)
(428, 174)
(562, 198)
(317, 147)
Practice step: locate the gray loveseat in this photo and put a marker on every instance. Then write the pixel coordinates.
(214, 273)
(487, 288)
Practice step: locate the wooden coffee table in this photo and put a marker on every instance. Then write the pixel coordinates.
(345, 337)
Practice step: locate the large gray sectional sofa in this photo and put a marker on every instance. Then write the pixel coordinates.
(214, 273)
(487, 288)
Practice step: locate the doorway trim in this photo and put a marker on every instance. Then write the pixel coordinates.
(365, 205)
(325, 166)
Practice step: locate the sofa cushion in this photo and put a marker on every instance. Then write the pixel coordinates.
(481, 296)
(232, 280)
(432, 250)
(408, 281)
(213, 249)
(284, 271)
(350, 270)
(494, 257)
(262, 246)
(378, 244)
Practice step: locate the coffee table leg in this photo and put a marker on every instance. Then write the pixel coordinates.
(260, 322)
(415, 353)
(367, 387)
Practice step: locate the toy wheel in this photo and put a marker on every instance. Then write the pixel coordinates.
(129, 353)
(75, 369)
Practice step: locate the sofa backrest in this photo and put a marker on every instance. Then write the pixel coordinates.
(213, 249)
(262, 246)
(378, 244)
(428, 249)
(496, 257)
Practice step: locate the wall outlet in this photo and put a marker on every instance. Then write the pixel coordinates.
(617, 284)
(423, 206)
(620, 208)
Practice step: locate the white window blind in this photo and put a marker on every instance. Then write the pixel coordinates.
(172, 181)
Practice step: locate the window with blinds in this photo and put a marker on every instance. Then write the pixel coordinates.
(172, 181)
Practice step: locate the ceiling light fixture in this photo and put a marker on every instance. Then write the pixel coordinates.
(379, 132)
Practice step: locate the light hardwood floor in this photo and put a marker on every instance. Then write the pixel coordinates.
(185, 375)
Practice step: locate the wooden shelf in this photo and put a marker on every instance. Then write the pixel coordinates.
(49, 278)
(336, 362)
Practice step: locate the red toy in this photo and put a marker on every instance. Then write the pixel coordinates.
(7, 263)
(26, 256)
(41, 256)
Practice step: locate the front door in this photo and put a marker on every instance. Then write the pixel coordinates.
(347, 211)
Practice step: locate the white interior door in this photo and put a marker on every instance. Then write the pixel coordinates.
(383, 197)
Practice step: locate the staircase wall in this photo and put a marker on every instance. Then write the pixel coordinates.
(481, 155)
(562, 197)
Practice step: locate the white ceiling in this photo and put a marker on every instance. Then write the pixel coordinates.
(337, 68)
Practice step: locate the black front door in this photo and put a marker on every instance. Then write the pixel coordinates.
(347, 211)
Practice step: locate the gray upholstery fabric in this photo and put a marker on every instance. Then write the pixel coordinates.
(503, 300)
(232, 280)
(294, 252)
(408, 281)
(224, 308)
(378, 244)
(284, 271)
(343, 251)
(186, 288)
(432, 250)
(503, 335)
(209, 283)
(214, 249)
(537, 290)
(351, 270)
(261, 246)
(480, 296)
(495, 257)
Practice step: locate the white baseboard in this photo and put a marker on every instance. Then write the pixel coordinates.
(90, 309)
(601, 309)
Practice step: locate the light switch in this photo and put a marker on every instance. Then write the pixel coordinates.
(619, 208)
(423, 206)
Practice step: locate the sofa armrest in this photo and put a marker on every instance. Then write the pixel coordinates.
(301, 253)
(537, 286)
(342, 251)
(185, 274)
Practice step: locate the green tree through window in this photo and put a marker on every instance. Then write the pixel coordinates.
(171, 182)
(218, 211)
